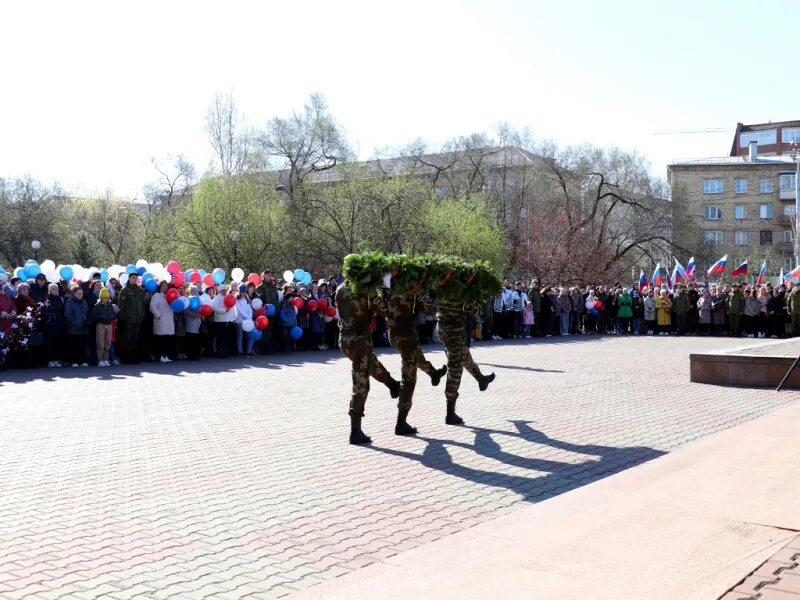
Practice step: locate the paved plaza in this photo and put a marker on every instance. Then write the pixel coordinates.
(234, 479)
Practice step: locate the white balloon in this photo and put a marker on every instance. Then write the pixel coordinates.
(205, 299)
(248, 325)
(156, 267)
(237, 274)
(48, 266)
(288, 276)
(141, 263)
(257, 303)
(185, 301)
(52, 276)
(123, 279)
(165, 276)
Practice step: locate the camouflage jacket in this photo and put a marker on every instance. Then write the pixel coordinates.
(355, 312)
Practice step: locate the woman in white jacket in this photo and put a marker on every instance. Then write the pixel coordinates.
(163, 323)
(224, 323)
(244, 312)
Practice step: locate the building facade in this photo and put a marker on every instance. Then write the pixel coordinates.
(742, 206)
(773, 139)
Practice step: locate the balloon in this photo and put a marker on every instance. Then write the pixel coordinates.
(47, 266)
(66, 273)
(229, 301)
(299, 274)
(208, 280)
(172, 295)
(203, 272)
(147, 276)
(31, 271)
(205, 299)
(311, 305)
(598, 305)
(123, 279)
(194, 303)
(256, 303)
(156, 267)
(104, 275)
(177, 279)
(151, 286)
(195, 277)
(30, 262)
(187, 274)
(248, 325)
(19, 272)
(206, 310)
(218, 276)
(296, 333)
(288, 276)
(254, 279)
(330, 312)
(306, 278)
(270, 310)
(52, 276)
(177, 305)
(594, 311)
(322, 304)
(255, 335)
(131, 269)
(262, 322)
(298, 303)
(260, 312)
(141, 270)
(142, 263)
(237, 274)
(173, 267)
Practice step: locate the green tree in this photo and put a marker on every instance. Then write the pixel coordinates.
(85, 251)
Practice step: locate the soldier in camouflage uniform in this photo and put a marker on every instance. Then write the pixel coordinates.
(401, 319)
(355, 341)
(453, 335)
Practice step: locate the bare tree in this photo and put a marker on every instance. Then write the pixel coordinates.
(229, 136)
(114, 224)
(175, 178)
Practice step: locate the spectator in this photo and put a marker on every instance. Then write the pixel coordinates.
(650, 312)
(704, 311)
(131, 316)
(39, 289)
(76, 313)
(224, 323)
(564, 310)
(54, 326)
(244, 312)
(23, 301)
(527, 319)
(624, 311)
(638, 312)
(717, 311)
(103, 315)
(194, 321)
(663, 313)
(8, 311)
(163, 324)
(735, 308)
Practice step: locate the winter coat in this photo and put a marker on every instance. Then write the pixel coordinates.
(664, 311)
(577, 302)
(751, 306)
(535, 296)
(38, 293)
(527, 315)
(649, 309)
(704, 310)
(268, 293)
(735, 303)
(6, 306)
(76, 313)
(680, 302)
(792, 303)
(638, 307)
(103, 313)
(222, 314)
(717, 310)
(244, 311)
(316, 322)
(193, 321)
(624, 306)
(131, 305)
(53, 321)
(565, 304)
(163, 317)
(23, 303)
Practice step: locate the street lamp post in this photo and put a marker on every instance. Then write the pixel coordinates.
(234, 235)
(36, 244)
(797, 210)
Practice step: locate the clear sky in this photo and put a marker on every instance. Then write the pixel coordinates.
(91, 90)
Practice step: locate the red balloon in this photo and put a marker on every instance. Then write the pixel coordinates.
(311, 305)
(229, 301)
(598, 305)
(178, 279)
(260, 312)
(206, 310)
(322, 304)
(173, 267)
(298, 303)
(208, 280)
(262, 322)
(254, 279)
(172, 295)
(331, 312)
(195, 276)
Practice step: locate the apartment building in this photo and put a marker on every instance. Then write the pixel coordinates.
(773, 139)
(742, 206)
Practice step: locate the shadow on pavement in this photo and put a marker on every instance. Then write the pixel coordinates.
(517, 368)
(561, 476)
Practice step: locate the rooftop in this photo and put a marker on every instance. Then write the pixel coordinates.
(732, 160)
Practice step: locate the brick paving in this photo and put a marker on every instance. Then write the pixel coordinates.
(789, 347)
(778, 578)
(239, 483)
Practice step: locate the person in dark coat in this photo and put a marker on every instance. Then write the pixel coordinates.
(76, 313)
(54, 325)
(38, 290)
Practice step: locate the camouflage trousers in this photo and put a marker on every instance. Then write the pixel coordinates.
(364, 365)
(406, 342)
(458, 359)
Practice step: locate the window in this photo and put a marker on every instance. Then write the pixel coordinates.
(766, 186)
(741, 186)
(787, 265)
(741, 211)
(788, 210)
(712, 186)
(765, 237)
(712, 238)
(787, 181)
(787, 236)
(765, 211)
(740, 238)
(767, 136)
(712, 212)
(790, 135)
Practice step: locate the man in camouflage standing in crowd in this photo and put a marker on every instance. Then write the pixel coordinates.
(355, 342)
(453, 335)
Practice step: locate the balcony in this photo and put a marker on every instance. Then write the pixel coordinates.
(787, 194)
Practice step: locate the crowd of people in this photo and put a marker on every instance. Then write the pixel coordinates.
(94, 323)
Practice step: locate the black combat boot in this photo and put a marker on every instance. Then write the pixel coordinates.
(452, 418)
(402, 427)
(394, 388)
(437, 375)
(485, 381)
(358, 437)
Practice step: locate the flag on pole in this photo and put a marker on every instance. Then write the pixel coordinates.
(718, 268)
(793, 274)
(690, 268)
(642, 280)
(780, 278)
(681, 272)
(658, 276)
(740, 270)
(762, 274)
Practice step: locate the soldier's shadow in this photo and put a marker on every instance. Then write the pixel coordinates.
(549, 478)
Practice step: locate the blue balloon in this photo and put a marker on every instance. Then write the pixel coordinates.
(104, 275)
(255, 334)
(177, 305)
(296, 333)
(270, 310)
(19, 272)
(141, 270)
(31, 271)
(298, 274)
(30, 262)
(66, 273)
(187, 273)
(131, 269)
(151, 285)
(218, 276)
(595, 311)
(147, 277)
(306, 278)
(203, 272)
(194, 303)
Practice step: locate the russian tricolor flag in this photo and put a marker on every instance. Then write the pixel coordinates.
(718, 268)
(793, 274)
(740, 270)
(642, 280)
(658, 276)
(681, 272)
(690, 268)
(762, 274)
